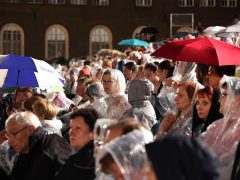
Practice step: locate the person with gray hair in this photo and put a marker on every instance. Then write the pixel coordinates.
(40, 155)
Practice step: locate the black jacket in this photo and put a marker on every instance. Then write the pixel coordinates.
(46, 156)
(80, 165)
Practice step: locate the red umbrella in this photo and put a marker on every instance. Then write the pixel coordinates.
(201, 50)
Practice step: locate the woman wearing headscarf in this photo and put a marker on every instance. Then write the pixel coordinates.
(139, 93)
(125, 157)
(223, 135)
(206, 109)
(178, 157)
(115, 104)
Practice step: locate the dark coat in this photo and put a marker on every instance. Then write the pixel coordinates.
(178, 158)
(236, 165)
(80, 165)
(46, 156)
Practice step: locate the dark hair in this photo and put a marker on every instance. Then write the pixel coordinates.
(213, 113)
(29, 102)
(89, 115)
(151, 66)
(131, 66)
(106, 162)
(168, 65)
(225, 70)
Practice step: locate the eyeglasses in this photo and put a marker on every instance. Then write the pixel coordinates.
(14, 134)
(107, 82)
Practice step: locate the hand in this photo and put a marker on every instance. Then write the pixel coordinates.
(166, 124)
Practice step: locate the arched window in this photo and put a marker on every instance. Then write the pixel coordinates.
(100, 38)
(56, 41)
(136, 32)
(12, 39)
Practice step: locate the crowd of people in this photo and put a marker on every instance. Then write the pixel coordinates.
(125, 116)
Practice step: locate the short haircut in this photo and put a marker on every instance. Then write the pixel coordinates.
(151, 67)
(89, 115)
(225, 70)
(131, 66)
(26, 118)
(168, 65)
(190, 88)
(29, 102)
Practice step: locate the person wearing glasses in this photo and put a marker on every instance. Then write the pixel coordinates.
(115, 103)
(40, 155)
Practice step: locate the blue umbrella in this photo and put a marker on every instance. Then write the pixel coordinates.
(16, 71)
(133, 42)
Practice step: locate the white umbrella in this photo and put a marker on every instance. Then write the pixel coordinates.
(212, 30)
(16, 71)
(234, 27)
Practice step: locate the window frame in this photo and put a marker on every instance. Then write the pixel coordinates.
(184, 3)
(143, 3)
(109, 33)
(66, 49)
(22, 37)
(228, 3)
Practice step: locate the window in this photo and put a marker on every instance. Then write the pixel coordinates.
(229, 3)
(136, 32)
(10, 1)
(34, 1)
(100, 38)
(79, 2)
(100, 2)
(143, 2)
(56, 41)
(12, 39)
(56, 1)
(185, 3)
(207, 3)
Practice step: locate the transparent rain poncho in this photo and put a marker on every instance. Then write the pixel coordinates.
(115, 104)
(183, 71)
(129, 154)
(223, 135)
(100, 133)
(138, 96)
(8, 156)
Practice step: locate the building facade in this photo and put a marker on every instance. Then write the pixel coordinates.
(41, 28)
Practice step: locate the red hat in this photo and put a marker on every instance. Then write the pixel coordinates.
(85, 72)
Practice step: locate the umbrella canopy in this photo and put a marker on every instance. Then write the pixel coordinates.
(149, 30)
(23, 71)
(234, 27)
(212, 30)
(133, 42)
(201, 50)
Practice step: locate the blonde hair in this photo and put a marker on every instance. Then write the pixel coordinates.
(45, 109)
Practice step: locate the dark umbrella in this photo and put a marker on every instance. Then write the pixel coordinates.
(149, 30)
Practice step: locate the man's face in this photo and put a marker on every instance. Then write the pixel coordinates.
(18, 136)
(128, 74)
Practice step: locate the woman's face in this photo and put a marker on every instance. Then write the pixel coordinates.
(182, 99)
(203, 106)
(107, 83)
